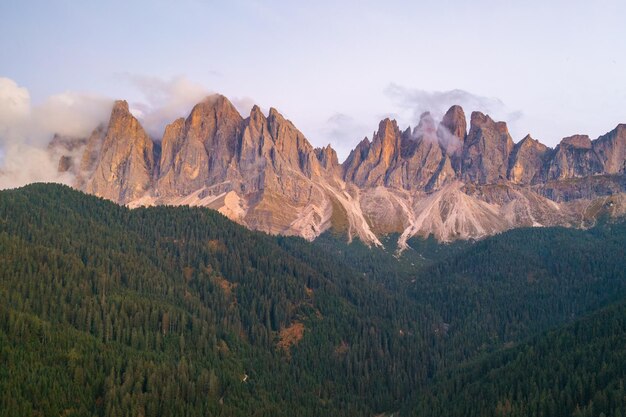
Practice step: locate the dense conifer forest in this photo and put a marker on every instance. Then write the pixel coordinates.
(106, 311)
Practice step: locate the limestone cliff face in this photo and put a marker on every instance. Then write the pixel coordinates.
(261, 170)
(124, 168)
(291, 149)
(200, 151)
(611, 150)
(255, 151)
(272, 147)
(279, 171)
(356, 157)
(436, 179)
(405, 160)
(371, 161)
(486, 150)
(527, 161)
(420, 157)
(452, 130)
(574, 157)
(327, 157)
(454, 121)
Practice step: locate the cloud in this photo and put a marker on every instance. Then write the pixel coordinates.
(26, 130)
(14, 105)
(165, 100)
(24, 164)
(341, 126)
(412, 102)
(244, 105)
(71, 114)
(341, 130)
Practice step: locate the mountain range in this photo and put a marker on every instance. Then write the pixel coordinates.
(441, 178)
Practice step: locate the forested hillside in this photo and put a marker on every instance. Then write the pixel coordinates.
(179, 312)
(576, 371)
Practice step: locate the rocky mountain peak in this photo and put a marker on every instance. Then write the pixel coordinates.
(201, 152)
(175, 125)
(255, 123)
(451, 133)
(279, 125)
(125, 165)
(283, 131)
(577, 141)
(486, 150)
(479, 119)
(426, 128)
(502, 128)
(611, 150)
(387, 136)
(256, 114)
(215, 107)
(121, 118)
(274, 113)
(574, 157)
(454, 121)
(528, 140)
(387, 130)
(120, 106)
(327, 157)
(527, 161)
(368, 163)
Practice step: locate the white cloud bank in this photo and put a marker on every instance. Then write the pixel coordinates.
(26, 130)
(167, 100)
(164, 100)
(412, 102)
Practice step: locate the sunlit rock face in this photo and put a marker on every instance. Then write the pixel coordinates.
(527, 161)
(611, 150)
(199, 151)
(435, 179)
(122, 158)
(486, 150)
(574, 157)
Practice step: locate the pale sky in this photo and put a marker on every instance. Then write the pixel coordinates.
(549, 68)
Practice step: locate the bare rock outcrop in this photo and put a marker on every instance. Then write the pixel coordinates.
(527, 161)
(123, 170)
(370, 162)
(611, 150)
(452, 130)
(199, 151)
(574, 157)
(486, 150)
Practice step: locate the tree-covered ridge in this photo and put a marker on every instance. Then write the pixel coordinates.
(161, 288)
(525, 281)
(166, 311)
(575, 371)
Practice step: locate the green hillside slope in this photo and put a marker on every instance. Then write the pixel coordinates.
(169, 311)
